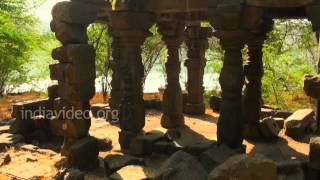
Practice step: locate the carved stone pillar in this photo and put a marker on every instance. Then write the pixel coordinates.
(172, 33)
(130, 36)
(231, 81)
(253, 72)
(117, 90)
(197, 42)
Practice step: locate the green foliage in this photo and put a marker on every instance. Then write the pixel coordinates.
(18, 39)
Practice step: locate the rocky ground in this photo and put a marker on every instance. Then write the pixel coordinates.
(29, 161)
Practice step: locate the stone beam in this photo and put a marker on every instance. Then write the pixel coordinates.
(279, 3)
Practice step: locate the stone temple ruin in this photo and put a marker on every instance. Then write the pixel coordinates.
(236, 23)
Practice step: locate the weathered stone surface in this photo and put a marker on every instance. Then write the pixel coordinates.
(75, 53)
(18, 109)
(269, 128)
(115, 162)
(296, 124)
(4, 159)
(279, 121)
(165, 147)
(83, 154)
(215, 103)
(275, 154)
(74, 174)
(53, 92)
(312, 86)
(75, 73)
(69, 33)
(133, 172)
(79, 92)
(142, 145)
(245, 167)
(75, 12)
(22, 126)
(182, 165)
(215, 156)
(314, 154)
(290, 170)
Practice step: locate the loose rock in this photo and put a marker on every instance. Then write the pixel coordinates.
(269, 128)
(115, 162)
(296, 124)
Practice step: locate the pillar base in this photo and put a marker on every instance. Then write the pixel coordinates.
(195, 109)
(125, 138)
(172, 123)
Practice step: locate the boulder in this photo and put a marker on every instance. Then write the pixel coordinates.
(298, 122)
(83, 154)
(245, 167)
(269, 128)
(114, 162)
(133, 172)
(182, 165)
(215, 156)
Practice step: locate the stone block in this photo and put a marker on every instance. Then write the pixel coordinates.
(28, 109)
(280, 122)
(296, 124)
(312, 86)
(53, 92)
(314, 154)
(266, 112)
(142, 145)
(83, 154)
(69, 33)
(215, 156)
(133, 172)
(114, 162)
(22, 126)
(75, 12)
(79, 92)
(182, 165)
(282, 114)
(75, 53)
(269, 128)
(245, 167)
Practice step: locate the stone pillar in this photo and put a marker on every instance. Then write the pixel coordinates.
(75, 71)
(253, 72)
(172, 35)
(231, 81)
(197, 42)
(130, 36)
(117, 81)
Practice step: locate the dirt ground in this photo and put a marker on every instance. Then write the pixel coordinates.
(26, 163)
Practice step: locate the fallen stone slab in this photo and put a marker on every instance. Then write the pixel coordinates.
(266, 112)
(4, 159)
(133, 172)
(115, 162)
(245, 167)
(28, 109)
(298, 122)
(182, 165)
(83, 154)
(269, 128)
(215, 156)
(312, 86)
